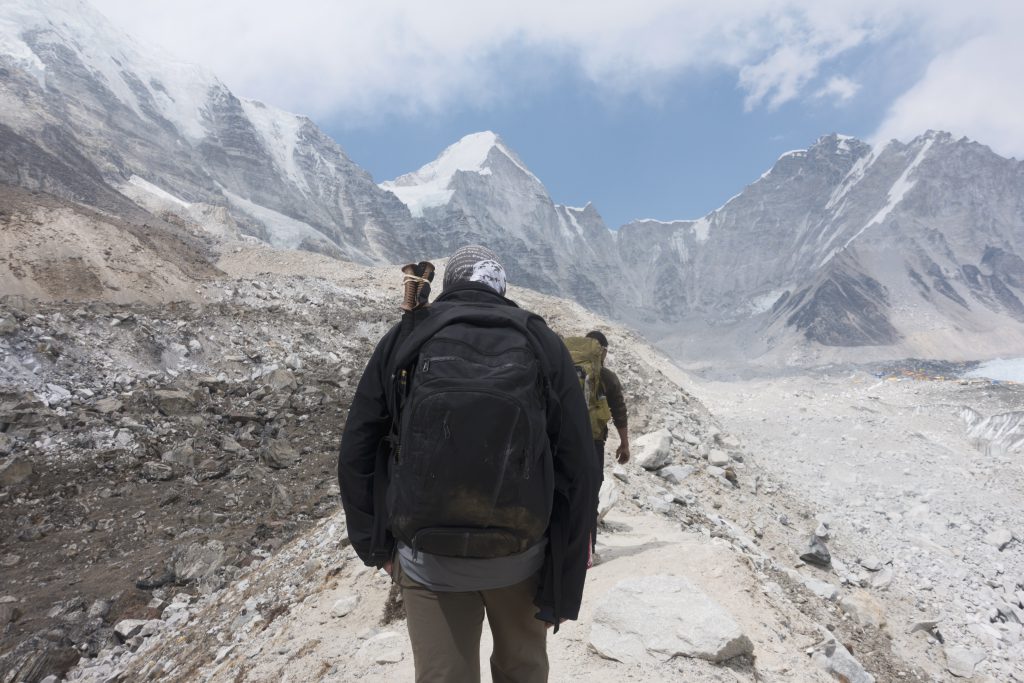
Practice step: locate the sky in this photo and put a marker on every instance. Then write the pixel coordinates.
(649, 109)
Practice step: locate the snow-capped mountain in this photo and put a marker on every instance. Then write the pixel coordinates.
(85, 110)
(912, 246)
(479, 190)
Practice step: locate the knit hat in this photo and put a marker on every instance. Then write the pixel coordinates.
(474, 263)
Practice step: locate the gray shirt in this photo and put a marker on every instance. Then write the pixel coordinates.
(451, 574)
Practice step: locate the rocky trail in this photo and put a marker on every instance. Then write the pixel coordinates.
(170, 509)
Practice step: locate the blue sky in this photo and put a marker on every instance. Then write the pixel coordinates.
(680, 156)
(656, 109)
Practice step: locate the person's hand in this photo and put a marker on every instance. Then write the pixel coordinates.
(622, 453)
(388, 566)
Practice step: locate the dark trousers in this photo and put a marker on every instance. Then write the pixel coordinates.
(599, 453)
(445, 629)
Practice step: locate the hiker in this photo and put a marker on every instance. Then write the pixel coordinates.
(610, 394)
(466, 472)
(610, 389)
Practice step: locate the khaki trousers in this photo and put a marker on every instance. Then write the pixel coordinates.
(445, 632)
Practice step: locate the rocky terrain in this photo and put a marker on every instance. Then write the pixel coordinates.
(170, 509)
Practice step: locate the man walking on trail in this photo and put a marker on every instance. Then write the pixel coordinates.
(466, 472)
(609, 392)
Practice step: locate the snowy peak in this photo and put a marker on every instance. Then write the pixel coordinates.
(430, 186)
(143, 80)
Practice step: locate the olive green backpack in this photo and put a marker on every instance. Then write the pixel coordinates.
(586, 356)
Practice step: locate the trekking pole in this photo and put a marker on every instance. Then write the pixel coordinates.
(416, 284)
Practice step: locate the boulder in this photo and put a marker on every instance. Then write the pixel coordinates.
(198, 561)
(281, 380)
(279, 454)
(183, 455)
(960, 661)
(655, 618)
(675, 474)
(817, 553)
(834, 658)
(1000, 538)
(654, 450)
(718, 458)
(383, 648)
(864, 608)
(606, 498)
(127, 628)
(343, 606)
(14, 470)
(172, 402)
(157, 471)
(108, 405)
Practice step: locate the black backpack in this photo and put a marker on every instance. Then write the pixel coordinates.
(471, 472)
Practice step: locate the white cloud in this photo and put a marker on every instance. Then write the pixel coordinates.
(839, 87)
(365, 58)
(973, 89)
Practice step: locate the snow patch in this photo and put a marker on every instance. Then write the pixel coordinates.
(280, 132)
(1006, 370)
(898, 190)
(284, 231)
(701, 228)
(430, 186)
(764, 302)
(180, 91)
(157, 191)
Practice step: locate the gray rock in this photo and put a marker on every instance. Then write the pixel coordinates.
(654, 450)
(864, 608)
(343, 606)
(675, 474)
(872, 564)
(619, 472)
(14, 470)
(817, 553)
(157, 471)
(823, 589)
(655, 618)
(183, 455)
(659, 504)
(1000, 538)
(882, 578)
(9, 614)
(229, 445)
(198, 561)
(128, 628)
(718, 458)
(278, 454)
(280, 380)
(8, 324)
(10, 560)
(960, 661)
(172, 402)
(383, 648)
(108, 405)
(834, 658)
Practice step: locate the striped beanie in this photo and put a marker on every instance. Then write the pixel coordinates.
(475, 263)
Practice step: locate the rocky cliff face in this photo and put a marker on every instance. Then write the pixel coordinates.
(478, 190)
(916, 246)
(84, 110)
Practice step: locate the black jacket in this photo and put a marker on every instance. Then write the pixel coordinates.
(363, 459)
